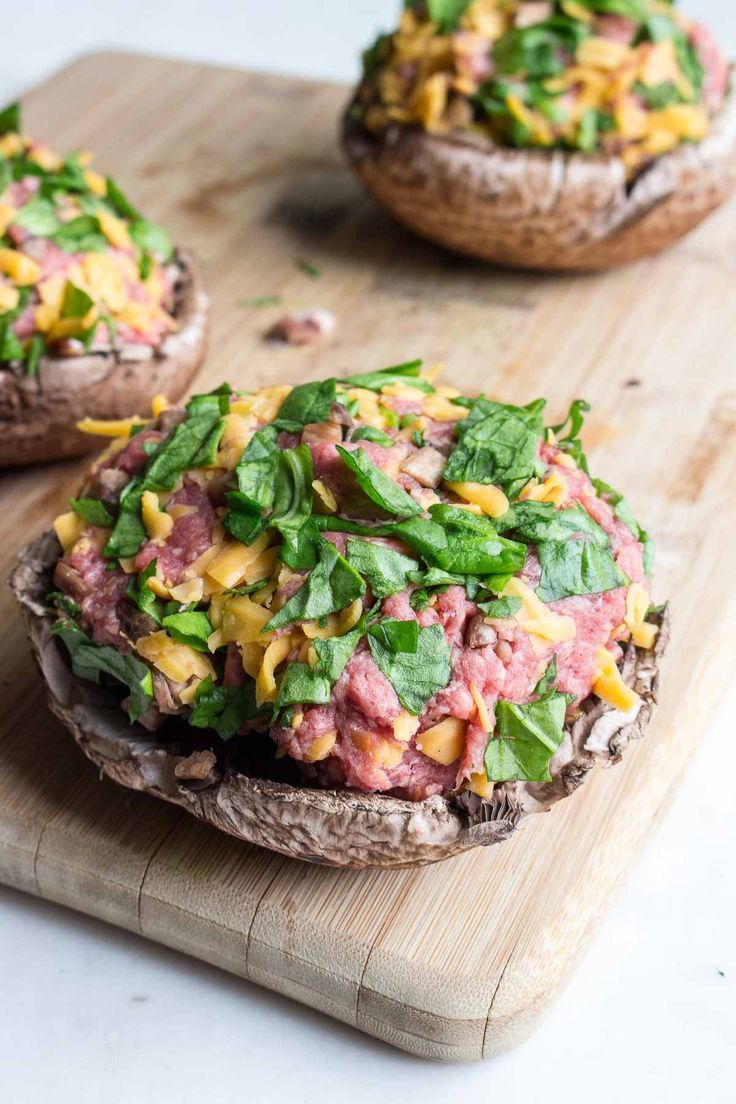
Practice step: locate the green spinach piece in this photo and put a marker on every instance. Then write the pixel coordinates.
(223, 708)
(568, 432)
(90, 661)
(624, 513)
(370, 433)
(191, 627)
(140, 592)
(379, 487)
(447, 13)
(331, 586)
(81, 235)
(10, 119)
(416, 673)
(309, 403)
(385, 570)
(92, 511)
(576, 567)
(526, 738)
(501, 607)
(497, 444)
(151, 239)
(38, 216)
(398, 373)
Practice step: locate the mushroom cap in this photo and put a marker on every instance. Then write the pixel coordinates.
(38, 414)
(542, 209)
(332, 827)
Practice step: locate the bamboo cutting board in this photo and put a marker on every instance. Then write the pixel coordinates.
(458, 960)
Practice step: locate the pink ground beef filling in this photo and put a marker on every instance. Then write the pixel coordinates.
(364, 704)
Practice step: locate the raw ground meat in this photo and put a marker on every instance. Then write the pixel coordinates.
(190, 536)
(364, 704)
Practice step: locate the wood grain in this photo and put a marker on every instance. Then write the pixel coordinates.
(457, 960)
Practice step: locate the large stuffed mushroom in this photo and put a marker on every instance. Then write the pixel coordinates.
(361, 621)
(98, 311)
(575, 134)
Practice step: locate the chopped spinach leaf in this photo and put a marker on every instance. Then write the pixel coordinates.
(93, 512)
(129, 532)
(501, 607)
(75, 302)
(497, 444)
(416, 673)
(526, 738)
(119, 201)
(140, 592)
(151, 239)
(370, 433)
(38, 216)
(223, 708)
(385, 570)
(624, 513)
(407, 373)
(576, 567)
(34, 351)
(179, 451)
(308, 268)
(10, 119)
(192, 628)
(568, 432)
(257, 301)
(81, 235)
(90, 661)
(446, 13)
(292, 504)
(331, 586)
(379, 487)
(308, 403)
(546, 684)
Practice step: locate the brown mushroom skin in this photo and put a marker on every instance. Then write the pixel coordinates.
(38, 414)
(331, 827)
(537, 209)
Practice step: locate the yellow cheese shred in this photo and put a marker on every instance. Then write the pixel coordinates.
(637, 607)
(609, 686)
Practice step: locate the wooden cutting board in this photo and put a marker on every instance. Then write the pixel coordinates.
(458, 960)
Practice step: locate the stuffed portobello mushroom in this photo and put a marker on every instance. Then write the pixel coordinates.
(98, 311)
(574, 134)
(360, 621)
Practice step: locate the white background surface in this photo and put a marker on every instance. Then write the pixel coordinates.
(90, 1014)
